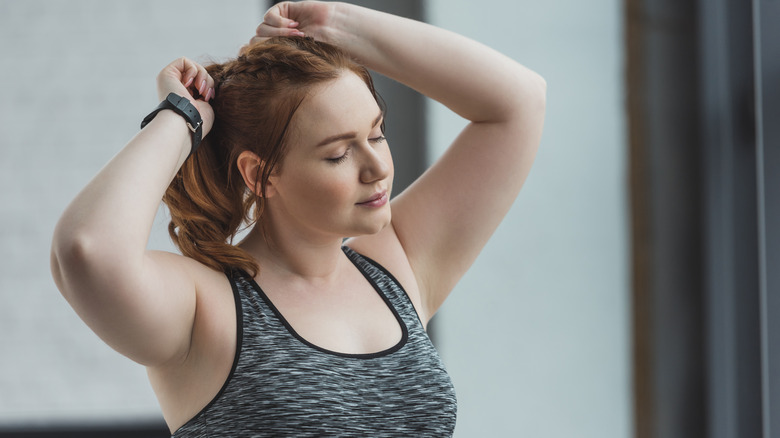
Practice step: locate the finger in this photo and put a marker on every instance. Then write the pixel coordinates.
(209, 88)
(264, 30)
(201, 82)
(189, 71)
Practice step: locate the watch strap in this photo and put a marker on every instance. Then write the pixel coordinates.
(183, 107)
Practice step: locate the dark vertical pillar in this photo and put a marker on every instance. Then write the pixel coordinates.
(732, 241)
(665, 148)
(640, 222)
(766, 16)
(704, 100)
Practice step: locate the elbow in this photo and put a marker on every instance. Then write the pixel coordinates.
(526, 101)
(71, 256)
(66, 253)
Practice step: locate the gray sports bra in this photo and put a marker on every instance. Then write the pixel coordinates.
(283, 386)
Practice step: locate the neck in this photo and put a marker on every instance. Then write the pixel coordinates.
(292, 255)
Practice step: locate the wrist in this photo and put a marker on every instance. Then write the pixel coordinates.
(176, 130)
(350, 27)
(182, 107)
(337, 29)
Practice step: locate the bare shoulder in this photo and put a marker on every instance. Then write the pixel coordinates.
(386, 249)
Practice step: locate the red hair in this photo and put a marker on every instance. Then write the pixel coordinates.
(257, 95)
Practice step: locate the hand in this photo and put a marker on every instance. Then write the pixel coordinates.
(189, 79)
(308, 18)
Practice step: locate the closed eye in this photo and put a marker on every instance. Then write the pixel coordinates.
(341, 159)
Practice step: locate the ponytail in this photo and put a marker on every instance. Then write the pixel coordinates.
(207, 209)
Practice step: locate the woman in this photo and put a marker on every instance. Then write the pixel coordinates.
(295, 331)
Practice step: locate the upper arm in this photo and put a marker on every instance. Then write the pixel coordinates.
(446, 217)
(145, 310)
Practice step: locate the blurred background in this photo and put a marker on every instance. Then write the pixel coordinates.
(629, 292)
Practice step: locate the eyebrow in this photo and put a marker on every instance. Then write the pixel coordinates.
(348, 135)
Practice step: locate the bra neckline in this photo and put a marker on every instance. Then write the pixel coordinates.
(353, 259)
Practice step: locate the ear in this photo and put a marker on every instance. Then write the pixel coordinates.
(251, 167)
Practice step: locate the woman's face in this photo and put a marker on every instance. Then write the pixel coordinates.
(337, 174)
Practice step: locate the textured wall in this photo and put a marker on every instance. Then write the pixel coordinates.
(537, 334)
(77, 78)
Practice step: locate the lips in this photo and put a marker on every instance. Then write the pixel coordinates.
(376, 200)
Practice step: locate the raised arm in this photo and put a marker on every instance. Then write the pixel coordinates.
(141, 303)
(445, 218)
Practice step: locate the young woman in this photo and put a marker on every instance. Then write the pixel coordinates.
(293, 331)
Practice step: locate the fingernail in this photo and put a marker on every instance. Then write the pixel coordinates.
(298, 33)
(189, 81)
(292, 24)
(202, 87)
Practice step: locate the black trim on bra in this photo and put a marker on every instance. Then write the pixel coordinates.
(392, 277)
(291, 330)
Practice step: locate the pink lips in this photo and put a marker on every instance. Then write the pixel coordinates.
(377, 200)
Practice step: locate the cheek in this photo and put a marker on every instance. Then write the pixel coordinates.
(318, 188)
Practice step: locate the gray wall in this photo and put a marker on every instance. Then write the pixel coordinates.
(536, 336)
(78, 77)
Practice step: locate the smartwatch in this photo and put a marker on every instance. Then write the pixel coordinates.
(183, 107)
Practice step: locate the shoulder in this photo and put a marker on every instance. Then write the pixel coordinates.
(385, 248)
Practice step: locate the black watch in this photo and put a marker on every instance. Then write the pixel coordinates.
(183, 107)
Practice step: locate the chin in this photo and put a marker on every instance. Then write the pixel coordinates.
(373, 227)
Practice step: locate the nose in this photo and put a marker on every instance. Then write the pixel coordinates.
(377, 164)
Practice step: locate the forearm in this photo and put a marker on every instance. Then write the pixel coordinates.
(473, 80)
(109, 222)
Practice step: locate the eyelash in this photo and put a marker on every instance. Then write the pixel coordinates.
(341, 159)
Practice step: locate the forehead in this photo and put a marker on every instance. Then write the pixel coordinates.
(341, 105)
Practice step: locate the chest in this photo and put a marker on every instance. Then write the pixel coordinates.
(353, 317)
(284, 383)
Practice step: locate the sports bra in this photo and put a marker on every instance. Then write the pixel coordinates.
(283, 386)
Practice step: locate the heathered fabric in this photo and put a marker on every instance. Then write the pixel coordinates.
(283, 386)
